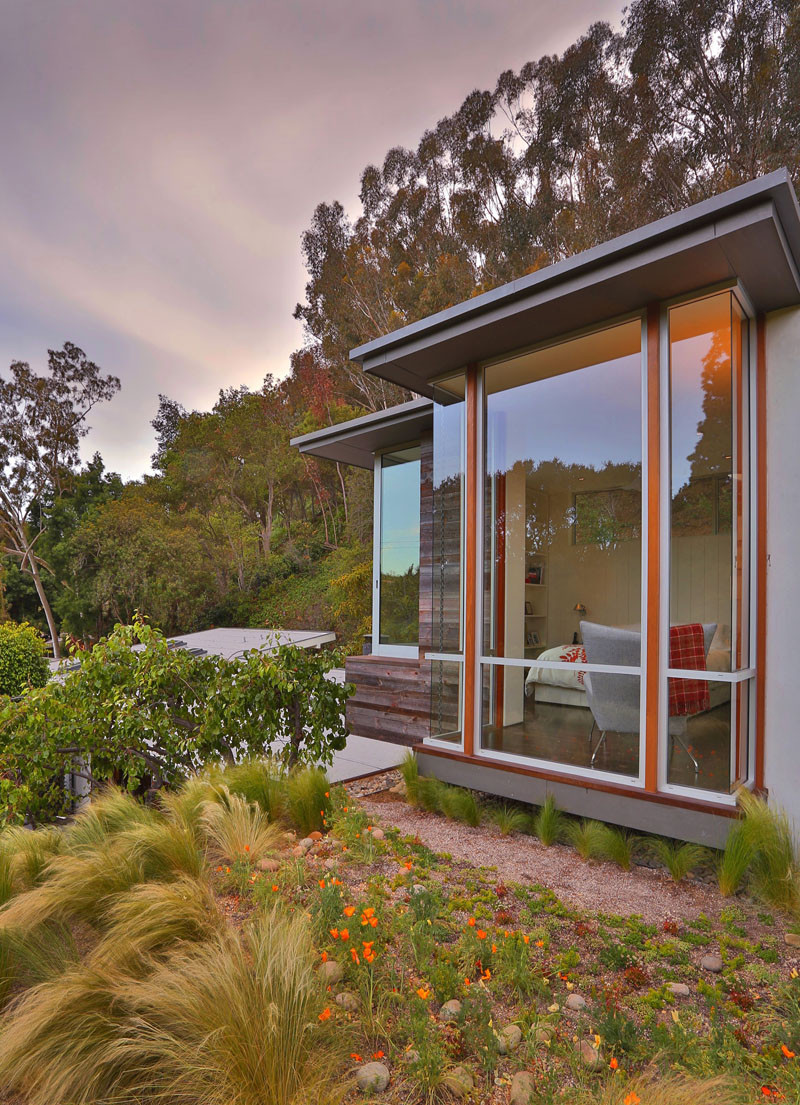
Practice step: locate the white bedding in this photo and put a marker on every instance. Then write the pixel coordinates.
(570, 675)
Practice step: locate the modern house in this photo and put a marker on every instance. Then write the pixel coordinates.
(586, 566)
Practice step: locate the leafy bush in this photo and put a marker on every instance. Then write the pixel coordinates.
(23, 662)
(157, 714)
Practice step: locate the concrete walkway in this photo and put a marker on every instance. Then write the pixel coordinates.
(361, 756)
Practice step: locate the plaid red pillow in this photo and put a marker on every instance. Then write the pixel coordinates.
(687, 650)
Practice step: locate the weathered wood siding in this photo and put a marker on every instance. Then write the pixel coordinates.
(392, 700)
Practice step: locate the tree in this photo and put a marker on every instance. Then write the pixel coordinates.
(42, 420)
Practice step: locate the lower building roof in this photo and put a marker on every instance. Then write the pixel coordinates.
(357, 441)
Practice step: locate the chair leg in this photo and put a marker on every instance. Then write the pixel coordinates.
(677, 737)
(597, 748)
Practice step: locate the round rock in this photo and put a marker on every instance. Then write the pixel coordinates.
(306, 843)
(711, 963)
(411, 1056)
(316, 835)
(590, 1056)
(269, 864)
(509, 1039)
(450, 1011)
(372, 1078)
(522, 1088)
(575, 1002)
(459, 1081)
(678, 989)
(331, 971)
(544, 1033)
(378, 834)
(792, 939)
(347, 1001)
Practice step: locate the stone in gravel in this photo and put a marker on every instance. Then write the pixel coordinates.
(459, 1081)
(316, 835)
(331, 971)
(298, 851)
(306, 843)
(269, 864)
(575, 1002)
(347, 1001)
(378, 834)
(711, 963)
(372, 1078)
(522, 1087)
(590, 1056)
(411, 1056)
(450, 1010)
(509, 1038)
(398, 788)
(679, 989)
(792, 939)
(545, 1033)
(329, 864)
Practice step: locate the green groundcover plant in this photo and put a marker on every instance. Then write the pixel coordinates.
(151, 715)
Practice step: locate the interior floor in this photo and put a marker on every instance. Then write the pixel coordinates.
(560, 734)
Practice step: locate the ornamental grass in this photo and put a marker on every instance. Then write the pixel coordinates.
(236, 829)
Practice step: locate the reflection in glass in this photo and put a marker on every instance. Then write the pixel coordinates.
(399, 547)
(708, 734)
(446, 700)
(709, 519)
(562, 538)
(448, 494)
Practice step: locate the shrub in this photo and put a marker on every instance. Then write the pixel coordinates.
(617, 846)
(509, 819)
(678, 858)
(586, 837)
(549, 823)
(157, 714)
(23, 662)
(735, 860)
(459, 804)
(260, 781)
(773, 861)
(225, 1021)
(238, 830)
(308, 799)
(409, 769)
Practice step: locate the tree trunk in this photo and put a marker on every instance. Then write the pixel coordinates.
(48, 613)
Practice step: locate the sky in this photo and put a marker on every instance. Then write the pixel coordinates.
(161, 159)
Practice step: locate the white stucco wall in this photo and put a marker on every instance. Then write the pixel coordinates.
(782, 712)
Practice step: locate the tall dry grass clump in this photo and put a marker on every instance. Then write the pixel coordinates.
(238, 830)
(653, 1088)
(773, 865)
(232, 1020)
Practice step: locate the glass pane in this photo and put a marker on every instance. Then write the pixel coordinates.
(563, 532)
(399, 557)
(709, 544)
(581, 719)
(446, 700)
(447, 536)
(708, 729)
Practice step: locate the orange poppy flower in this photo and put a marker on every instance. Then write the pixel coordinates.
(408, 864)
(471, 922)
(540, 943)
(369, 956)
(356, 1056)
(467, 981)
(423, 993)
(789, 1054)
(344, 934)
(325, 1014)
(274, 886)
(367, 944)
(354, 956)
(486, 975)
(247, 847)
(631, 1099)
(494, 949)
(322, 884)
(526, 938)
(327, 794)
(481, 934)
(349, 910)
(334, 933)
(377, 1054)
(324, 957)
(613, 1064)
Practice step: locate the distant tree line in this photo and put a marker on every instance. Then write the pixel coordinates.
(686, 100)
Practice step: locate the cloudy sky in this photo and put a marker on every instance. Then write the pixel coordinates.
(161, 158)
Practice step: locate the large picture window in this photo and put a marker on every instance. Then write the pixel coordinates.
(563, 552)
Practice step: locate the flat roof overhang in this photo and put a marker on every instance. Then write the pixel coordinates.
(750, 233)
(357, 441)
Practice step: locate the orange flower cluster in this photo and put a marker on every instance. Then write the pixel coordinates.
(325, 1014)
(368, 917)
(631, 1098)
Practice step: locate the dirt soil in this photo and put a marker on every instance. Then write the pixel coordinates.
(601, 887)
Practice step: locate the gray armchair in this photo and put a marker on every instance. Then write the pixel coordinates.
(614, 699)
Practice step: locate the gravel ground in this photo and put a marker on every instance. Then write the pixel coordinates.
(601, 887)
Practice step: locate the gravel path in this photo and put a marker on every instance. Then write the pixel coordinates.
(601, 887)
